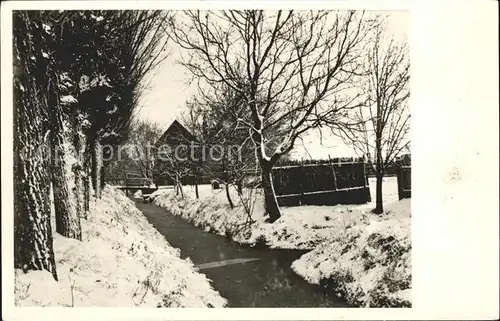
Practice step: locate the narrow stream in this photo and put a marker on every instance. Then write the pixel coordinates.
(245, 276)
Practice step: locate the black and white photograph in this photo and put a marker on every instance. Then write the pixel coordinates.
(212, 158)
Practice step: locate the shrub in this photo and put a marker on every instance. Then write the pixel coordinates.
(260, 242)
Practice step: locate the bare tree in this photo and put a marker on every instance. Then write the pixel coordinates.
(175, 166)
(194, 119)
(138, 152)
(290, 69)
(142, 138)
(213, 120)
(383, 121)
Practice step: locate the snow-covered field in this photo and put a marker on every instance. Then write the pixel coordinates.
(366, 256)
(122, 261)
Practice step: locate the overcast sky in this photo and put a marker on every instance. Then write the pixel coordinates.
(168, 92)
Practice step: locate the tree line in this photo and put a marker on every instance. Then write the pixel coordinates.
(77, 79)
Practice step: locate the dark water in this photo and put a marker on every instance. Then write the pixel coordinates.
(266, 282)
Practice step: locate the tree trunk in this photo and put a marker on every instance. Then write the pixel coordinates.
(180, 190)
(67, 220)
(379, 207)
(78, 167)
(33, 244)
(102, 177)
(231, 204)
(270, 201)
(78, 191)
(86, 187)
(96, 166)
(178, 186)
(239, 186)
(196, 187)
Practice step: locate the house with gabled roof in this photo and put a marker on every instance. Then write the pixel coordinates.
(176, 134)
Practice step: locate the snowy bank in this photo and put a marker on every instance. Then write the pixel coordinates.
(122, 261)
(300, 227)
(211, 214)
(365, 257)
(368, 264)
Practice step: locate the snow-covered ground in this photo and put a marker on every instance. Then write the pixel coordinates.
(122, 261)
(369, 264)
(300, 227)
(342, 238)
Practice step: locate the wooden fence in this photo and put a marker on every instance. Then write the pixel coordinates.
(404, 176)
(322, 183)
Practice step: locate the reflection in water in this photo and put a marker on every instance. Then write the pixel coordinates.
(215, 264)
(266, 282)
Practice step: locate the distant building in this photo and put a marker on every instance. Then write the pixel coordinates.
(205, 162)
(134, 173)
(176, 137)
(175, 134)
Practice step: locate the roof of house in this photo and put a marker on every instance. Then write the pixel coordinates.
(176, 128)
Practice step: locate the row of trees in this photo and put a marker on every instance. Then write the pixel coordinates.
(268, 77)
(77, 78)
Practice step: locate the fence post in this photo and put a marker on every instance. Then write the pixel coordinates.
(399, 173)
(333, 172)
(367, 182)
(302, 196)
